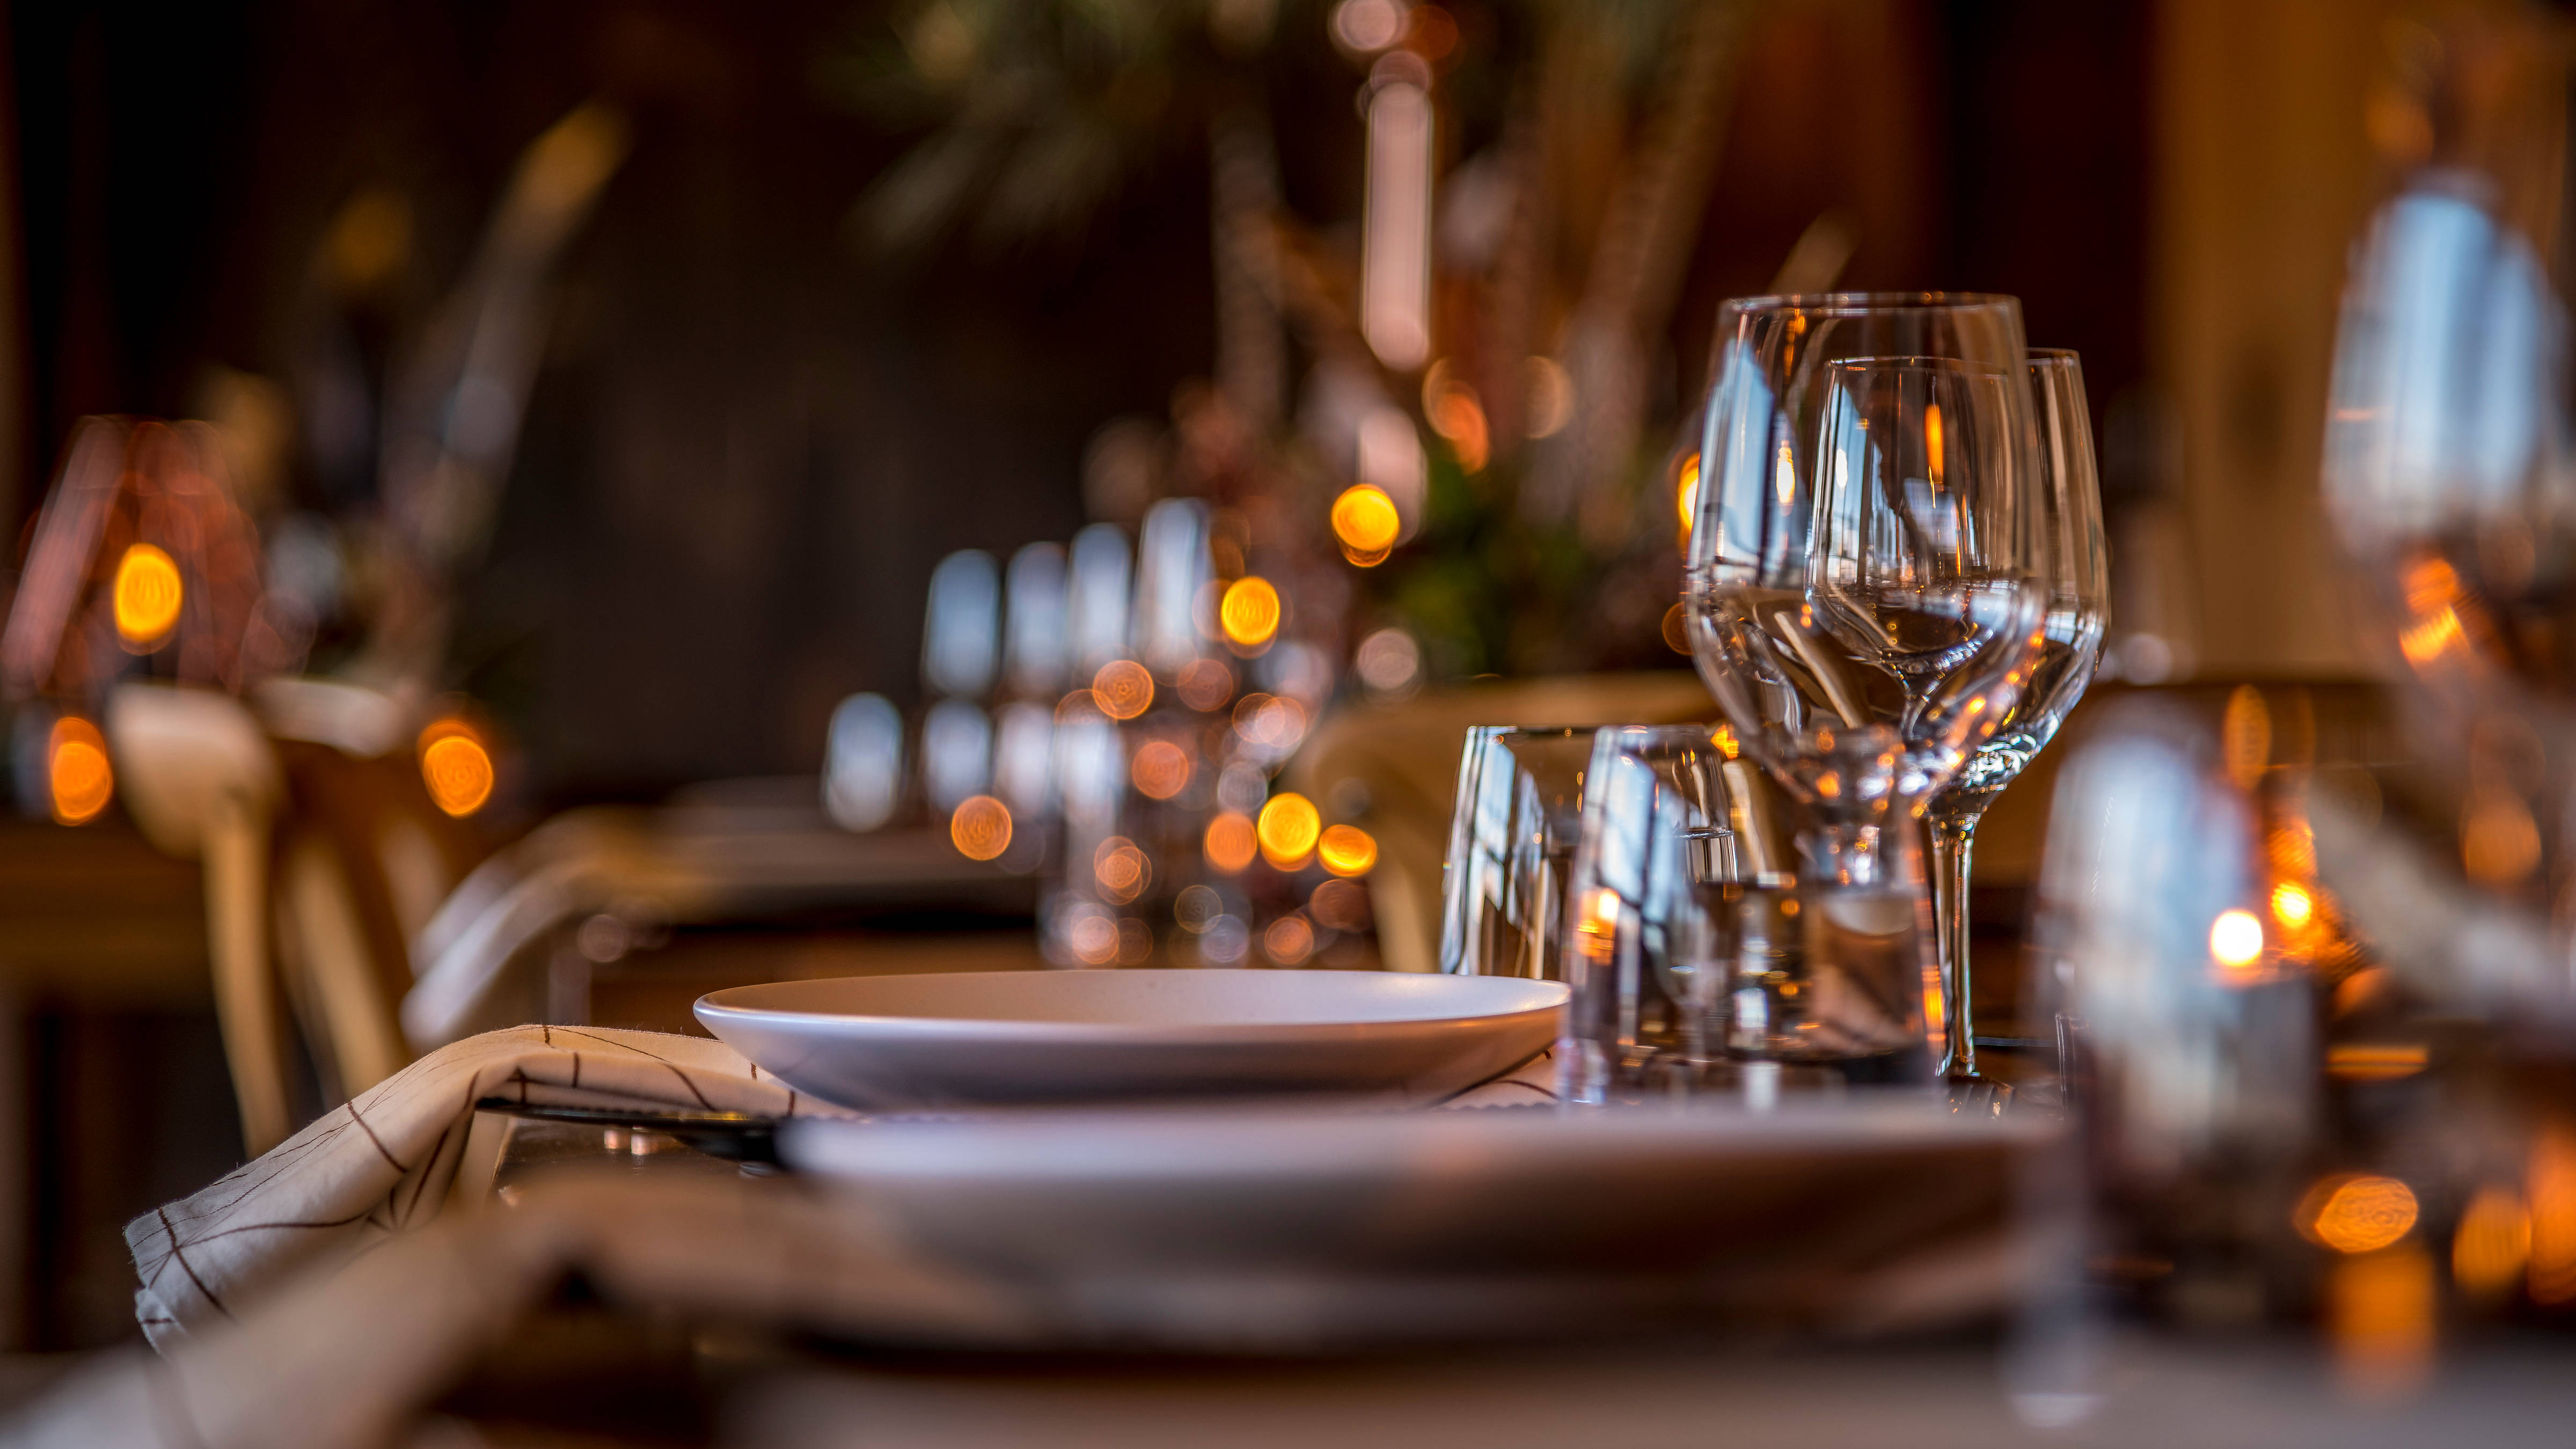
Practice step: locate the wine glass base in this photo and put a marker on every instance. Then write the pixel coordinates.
(1977, 1096)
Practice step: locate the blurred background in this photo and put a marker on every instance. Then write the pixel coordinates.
(570, 404)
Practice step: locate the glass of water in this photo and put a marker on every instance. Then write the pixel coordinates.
(1705, 957)
(1511, 842)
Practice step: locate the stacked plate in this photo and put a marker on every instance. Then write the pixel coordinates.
(1313, 1216)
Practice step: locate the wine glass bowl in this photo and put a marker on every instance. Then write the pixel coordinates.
(1904, 573)
(1866, 582)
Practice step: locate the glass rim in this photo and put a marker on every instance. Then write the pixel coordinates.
(1854, 304)
(1922, 362)
(2052, 356)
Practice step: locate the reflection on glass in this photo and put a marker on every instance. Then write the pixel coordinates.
(1090, 772)
(959, 634)
(2444, 364)
(863, 762)
(1171, 567)
(1512, 832)
(1034, 644)
(1096, 600)
(1024, 759)
(956, 753)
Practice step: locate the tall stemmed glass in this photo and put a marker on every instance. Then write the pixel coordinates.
(1867, 578)
(2070, 496)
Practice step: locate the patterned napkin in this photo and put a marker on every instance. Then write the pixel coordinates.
(388, 1162)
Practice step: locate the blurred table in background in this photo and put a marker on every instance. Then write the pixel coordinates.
(654, 989)
(113, 1089)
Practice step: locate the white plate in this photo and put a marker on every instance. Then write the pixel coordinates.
(1284, 1228)
(999, 1037)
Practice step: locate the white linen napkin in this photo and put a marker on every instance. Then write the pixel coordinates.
(388, 1162)
(385, 1163)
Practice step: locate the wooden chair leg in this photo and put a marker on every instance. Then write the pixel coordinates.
(246, 998)
(359, 1033)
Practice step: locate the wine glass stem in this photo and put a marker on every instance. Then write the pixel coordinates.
(1954, 843)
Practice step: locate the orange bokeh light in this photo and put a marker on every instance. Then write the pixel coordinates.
(1123, 689)
(2492, 1242)
(1686, 496)
(1289, 941)
(1676, 630)
(2499, 841)
(1288, 827)
(1249, 613)
(77, 771)
(1458, 415)
(1366, 523)
(146, 595)
(1122, 870)
(1597, 931)
(2380, 1310)
(1161, 769)
(2357, 1213)
(980, 827)
(2550, 1178)
(1346, 850)
(456, 767)
(1231, 842)
(1205, 684)
(1094, 940)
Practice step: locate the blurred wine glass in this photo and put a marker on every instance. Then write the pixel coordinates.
(2452, 487)
(1511, 841)
(2070, 496)
(1868, 577)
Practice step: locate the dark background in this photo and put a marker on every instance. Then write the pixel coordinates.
(751, 441)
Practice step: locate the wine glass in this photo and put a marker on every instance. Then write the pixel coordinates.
(2070, 496)
(1868, 578)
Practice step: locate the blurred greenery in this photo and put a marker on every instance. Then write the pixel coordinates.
(1032, 115)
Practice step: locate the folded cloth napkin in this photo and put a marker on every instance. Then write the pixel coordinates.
(384, 1163)
(348, 1354)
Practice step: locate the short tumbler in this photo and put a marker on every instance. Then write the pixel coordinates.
(1703, 959)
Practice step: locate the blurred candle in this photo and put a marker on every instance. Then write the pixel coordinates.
(77, 770)
(147, 594)
(1395, 260)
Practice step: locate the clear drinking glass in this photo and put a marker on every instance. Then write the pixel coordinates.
(1698, 963)
(2079, 595)
(1868, 577)
(1511, 841)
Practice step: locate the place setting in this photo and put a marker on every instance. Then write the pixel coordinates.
(941, 724)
